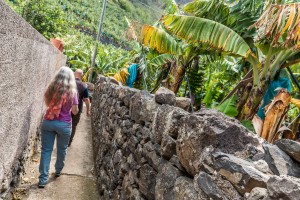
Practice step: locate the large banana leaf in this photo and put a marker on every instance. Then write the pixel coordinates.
(280, 24)
(199, 30)
(238, 15)
(162, 59)
(228, 107)
(215, 10)
(159, 40)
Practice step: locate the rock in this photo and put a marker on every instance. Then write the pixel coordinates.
(165, 96)
(205, 182)
(262, 166)
(193, 137)
(291, 147)
(154, 160)
(214, 129)
(283, 187)
(165, 181)
(166, 122)
(117, 157)
(113, 80)
(242, 174)
(175, 162)
(226, 187)
(147, 181)
(184, 190)
(279, 162)
(257, 193)
(183, 102)
(101, 79)
(142, 107)
(258, 156)
(128, 190)
(168, 147)
(206, 161)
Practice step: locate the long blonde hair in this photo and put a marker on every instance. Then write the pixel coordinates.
(62, 84)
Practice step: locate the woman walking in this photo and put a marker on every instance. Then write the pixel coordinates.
(61, 99)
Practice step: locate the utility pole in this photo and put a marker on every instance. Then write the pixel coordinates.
(98, 39)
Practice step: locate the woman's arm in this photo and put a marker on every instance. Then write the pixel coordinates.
(75, 109)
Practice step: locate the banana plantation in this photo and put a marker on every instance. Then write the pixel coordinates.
(239, 57)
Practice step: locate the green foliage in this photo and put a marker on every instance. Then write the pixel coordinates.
(238, 15)
(228, 107)
(159, 40)
(126, 5)
(108, 60)
(85, 15)
(248, 124)
(46, 16)
(162, 59)
(196, 77)
(76, 22)
(216, 36)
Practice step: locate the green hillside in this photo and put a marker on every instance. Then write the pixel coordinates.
(77, 21)
(85, 14)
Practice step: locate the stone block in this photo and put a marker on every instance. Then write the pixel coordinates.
(257, 194)
(166, 122)
(185, 190)
(283, 187)
(279, 162)
(204, 182)
(291, 147)
(242, 174)
(209, 128)
(165, 182)
(147, 181)
(183, 102)
(165, 96)
(142, 107)
(168, 147)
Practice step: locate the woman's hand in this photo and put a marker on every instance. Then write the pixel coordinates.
(75, 109)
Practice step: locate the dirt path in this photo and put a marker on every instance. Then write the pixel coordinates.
(76, 182)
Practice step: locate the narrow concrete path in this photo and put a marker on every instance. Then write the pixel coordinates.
(76, 182)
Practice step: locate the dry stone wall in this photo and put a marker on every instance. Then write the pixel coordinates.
(145, 148)
(27, 61)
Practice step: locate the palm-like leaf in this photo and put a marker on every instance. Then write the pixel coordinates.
(238, 15)
(162, 59)
(204, 8)
(280, 24)
(79, 63)
(229, 107)
(215, 35)
(159, 40)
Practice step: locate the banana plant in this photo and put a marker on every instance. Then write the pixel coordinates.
(196, 34)
(277, 41)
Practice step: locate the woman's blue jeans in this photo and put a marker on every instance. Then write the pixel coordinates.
(50, 130)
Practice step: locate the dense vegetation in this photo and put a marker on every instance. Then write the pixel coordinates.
(76, 22)
(222, 54)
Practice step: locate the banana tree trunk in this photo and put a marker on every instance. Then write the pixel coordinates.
(178, 75)
(243, 96)
(254, 99)
(271, 67)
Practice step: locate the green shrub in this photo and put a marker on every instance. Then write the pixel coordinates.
(126, 5)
